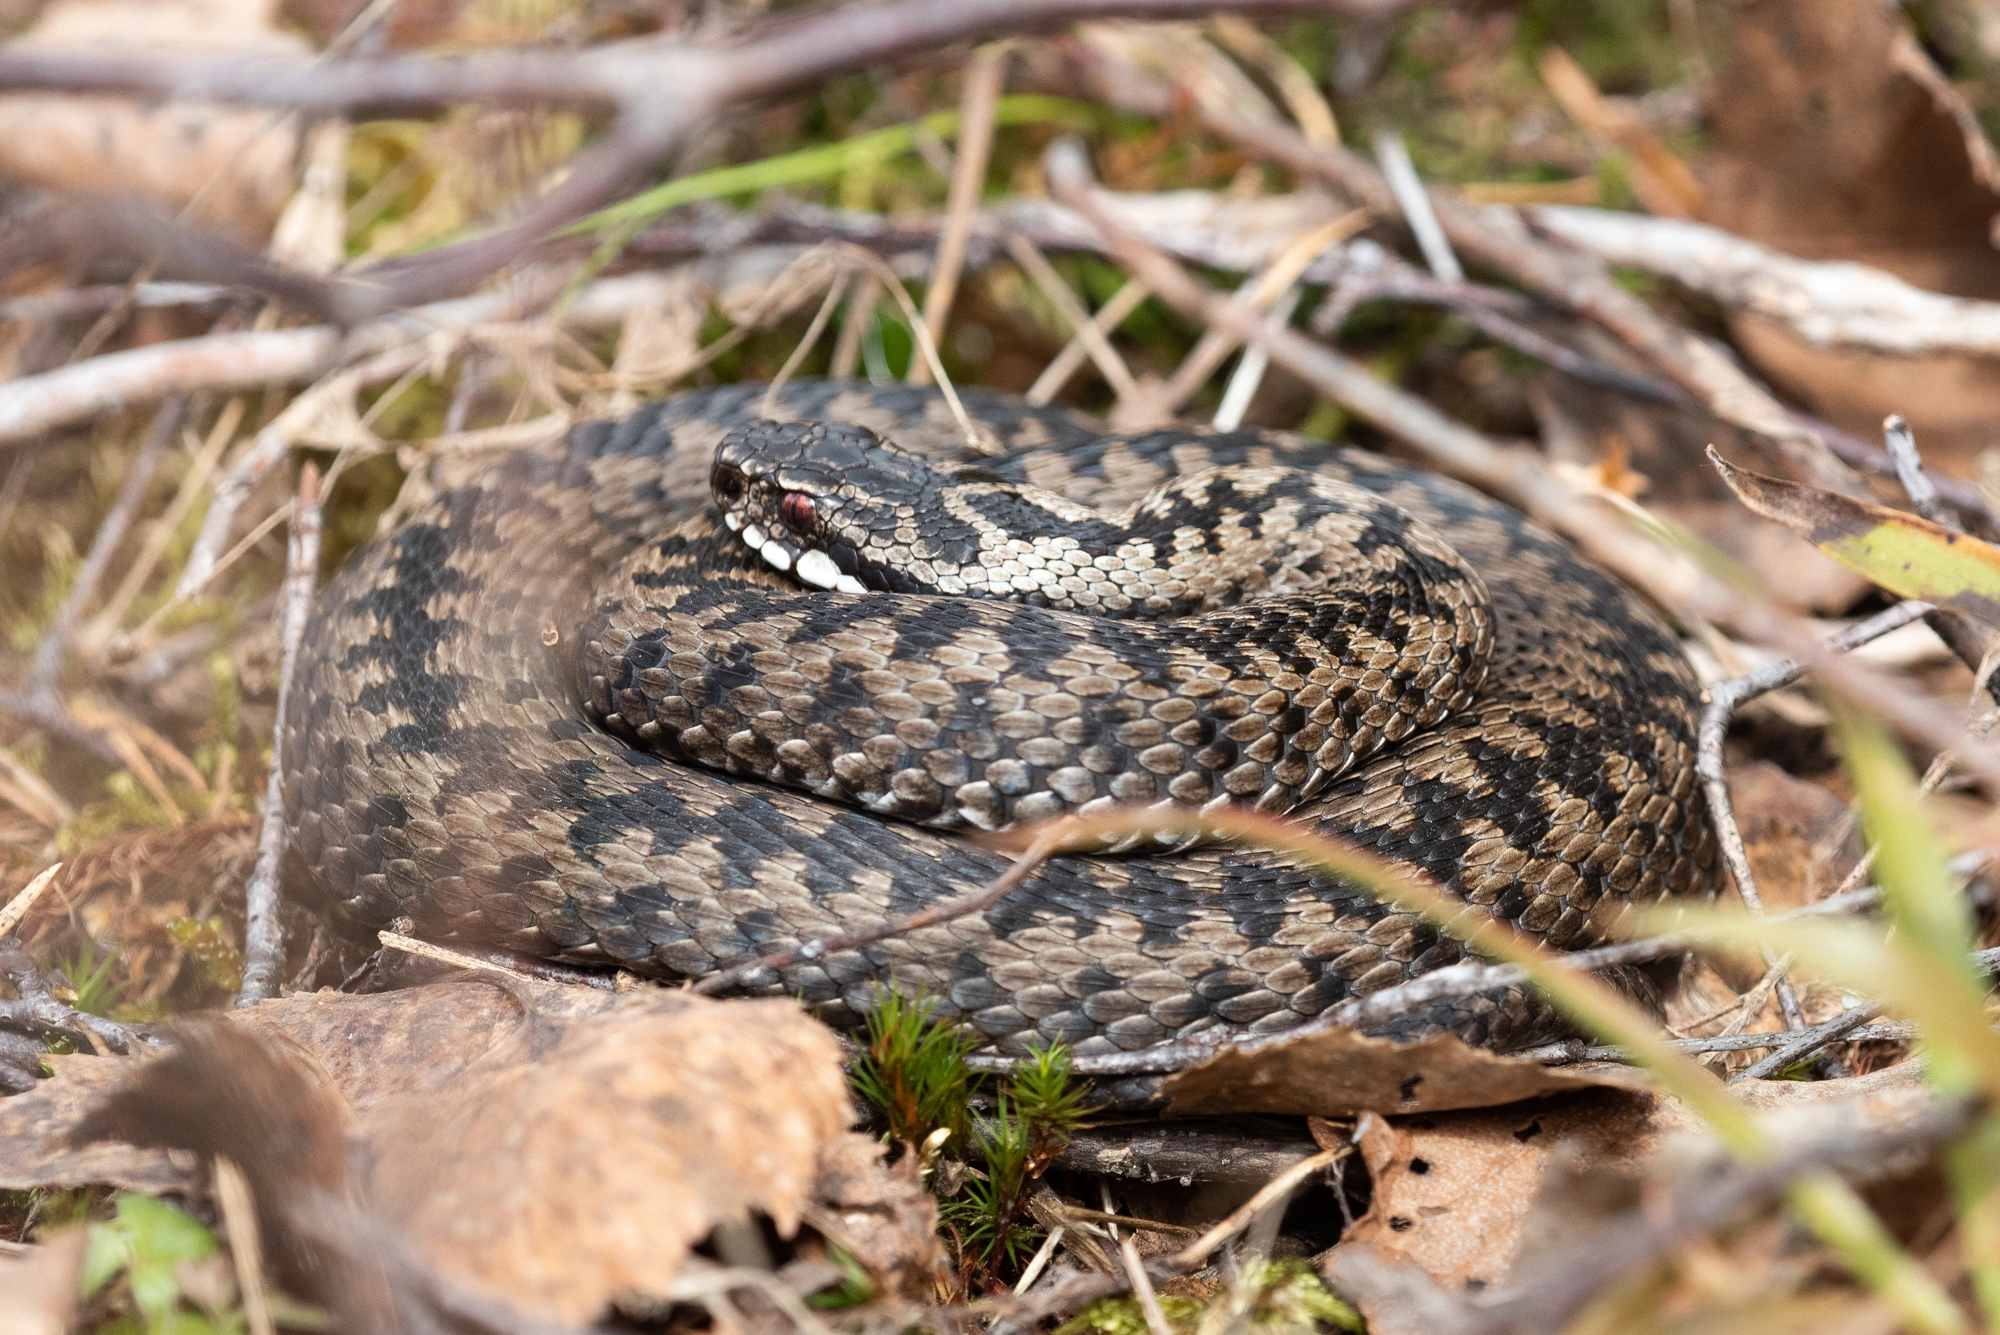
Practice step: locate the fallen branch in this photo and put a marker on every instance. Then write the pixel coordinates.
(38, 404)
(1239, 236)
(34, 1013)
(1829, 304)
(1724, 700)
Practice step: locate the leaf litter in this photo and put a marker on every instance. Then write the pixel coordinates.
(563, 1150)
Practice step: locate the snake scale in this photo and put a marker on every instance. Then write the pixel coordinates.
(502, 710)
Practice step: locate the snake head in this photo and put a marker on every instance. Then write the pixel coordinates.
(813, 498)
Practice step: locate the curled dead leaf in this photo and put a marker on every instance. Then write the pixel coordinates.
(1338, 1071)
(553, 1150)
(1904, 553)
(588, 1175)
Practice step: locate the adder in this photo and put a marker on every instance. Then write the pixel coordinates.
(682, 689)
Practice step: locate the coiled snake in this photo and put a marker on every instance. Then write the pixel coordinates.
(502, 707)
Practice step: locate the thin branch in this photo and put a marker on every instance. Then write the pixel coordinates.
(996, 890)
(1272, 1193)
(1724, 699)
(1837, 304)
(46, 670)
(33, 406)
(1404, 184)
(1083, 327)
(35, 1010)
(1843, 1028)
(1917, 484)
(489, 961)
(263, 931)
(1250, 368)
(1373, 273)
(1109, 316)
(983, 77)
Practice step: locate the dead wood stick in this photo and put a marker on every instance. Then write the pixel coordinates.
(35, 405)
(1724, 699)
(1839, 304)
(263, 931)
(35, 1010)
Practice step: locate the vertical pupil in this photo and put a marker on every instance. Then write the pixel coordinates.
(797, 509)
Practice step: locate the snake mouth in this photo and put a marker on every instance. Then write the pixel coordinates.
(809, 566)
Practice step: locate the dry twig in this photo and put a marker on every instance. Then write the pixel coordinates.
(1024, 866)
(263, 931)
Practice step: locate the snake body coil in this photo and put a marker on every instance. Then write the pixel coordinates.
(500, 706)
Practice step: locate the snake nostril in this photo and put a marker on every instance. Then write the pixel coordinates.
(727, 483)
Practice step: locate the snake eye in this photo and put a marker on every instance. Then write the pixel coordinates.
(797, 510)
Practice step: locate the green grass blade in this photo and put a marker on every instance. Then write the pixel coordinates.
(1919, 896)
(824, 161)
(1932, 920)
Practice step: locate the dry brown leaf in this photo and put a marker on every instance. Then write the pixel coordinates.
(381, 1047)
(879, 1214)
(566, 1184)
(239, 164)
(1797, 834)
(1485, 1202)
(1335, 1072)
(1835, 137)
(558, 1149)
(1453, 1194)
